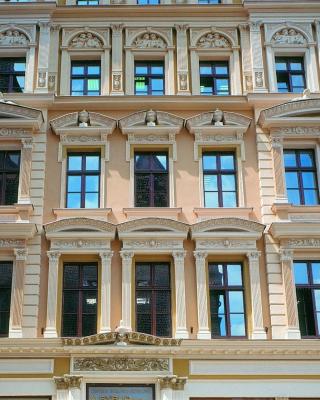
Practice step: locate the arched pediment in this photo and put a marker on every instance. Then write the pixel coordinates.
(14, 37)
(86, 40)
(15, 115)
(147, 226)
(74, 225)
(302, 111)
(149, 40)
(214, 40)
(223, 225)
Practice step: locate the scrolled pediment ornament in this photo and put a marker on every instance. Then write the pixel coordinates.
(13, 37)
(288, 36)
(86, 40)
(213, 40)
(149, 40)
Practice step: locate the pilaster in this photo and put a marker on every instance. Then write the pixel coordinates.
(126, 289)
(25, 171)
(278, 169)
(54, 58)
(259, 84)
(246, 58)
(43, 57)
(117, 59)
(182, 59)
(105, 291)
(202, 296)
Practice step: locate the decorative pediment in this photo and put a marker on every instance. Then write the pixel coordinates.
(13, 37)
(288, 36)
(302, 116)
(218, 225)
(149, 40)
(214, 38)
(143, 226)
(151, 127)
(86, 40)
(213, 41)
(133, 338)
(153, 39)
(13, 115)
(218, 128)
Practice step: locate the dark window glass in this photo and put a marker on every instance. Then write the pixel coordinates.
(214, 78)
(87, 2)
(12, 75)
(301, 177)
(83, 180)
(5, 296)
(149, 78)
(80, 297)
(151, 179)
(307, 280)
(9, 177)
(85, 78)
(219, 179)
(153, 298)
(290, 74)
(227, 306)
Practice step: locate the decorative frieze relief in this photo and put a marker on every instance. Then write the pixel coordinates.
(66, 139)
(149, 41)
(288, 36)
(13, 37)
(226, 244)
(298, 131)
(11, 243)
(213, 41)
(120, 364)
(77, 244)
(86, 40)
(74, 223)
(149, 38)
(14, 133)
(152, 244)
(213, 38)
(302, 243)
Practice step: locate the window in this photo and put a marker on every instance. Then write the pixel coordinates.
(85, 78)
(83, 180)
(9, 177)
(148, 2)
(219, 179)
(209, 1)
(151, 180)
(307, 279)
(301, 177)
(12, 75)
(87, 2)
(214, 78)
(153, 298)
(290, 74)
(149, 78)
(5, 296)
(226, 300)
(80, 294)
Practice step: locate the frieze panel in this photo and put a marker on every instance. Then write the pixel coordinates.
(14, 133)
(289, 33)
(226, 244)
(288, 36)
(120, 364)
(213, 41)
(303, 243)
(79, 139)
(149, 41)
(152, 244)
(78, 244)
(298, 131)
(13, 37)
(11, 243)
(86, 40)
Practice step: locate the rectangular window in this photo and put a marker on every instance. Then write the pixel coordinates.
(83, 180)
(219, 179)
(85, 78)
(301, 177)
(148, 2)
(5, 296)
(209, 1)
(153, 298)
(12, 75)
(227, 306)
(151, 179)
(290, 74)
(87, 2)
(307, 280)
(9, 177)
(214, 78)
(149, 78)
(80, 297)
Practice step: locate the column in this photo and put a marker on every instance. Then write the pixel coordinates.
(258, 331)
(317, 25)
(278, 169)
(126, 288)
(62, 386)
(54, 59)
(178, 388)
(43, 57)
(202, 295)
(312, 70)
(166, 388)
(272, 77)
(117, 62)
(105, 325)
(52, 300)
(259, 84)
(74, 385)
(25, 171)
(181, 315)
(16, 307)
(182, 59)
(286, 257)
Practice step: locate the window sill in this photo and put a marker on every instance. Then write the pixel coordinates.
(145, 212)
(16, 212)
(239, 212)
(95, 213)
(287, 211)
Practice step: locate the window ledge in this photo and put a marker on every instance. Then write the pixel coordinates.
(240, 212)
(287, 211)
(95, 213)
(16, 212)
(162, 212)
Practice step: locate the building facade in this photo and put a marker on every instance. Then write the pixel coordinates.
(160, 209)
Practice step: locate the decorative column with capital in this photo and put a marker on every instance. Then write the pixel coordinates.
(43, 57)
(246, 58)
(105, 291)
(171, 387)
(117, 59)
(62, 385)
(286, 257)
(52, 300)
(278, 169)
(182, 59)
(259, 83)
(25, 171)
(126, 289)
(258, 331)
(181, 315)
(16, 308)
(202, 296)
(74, 386)
(54, 58)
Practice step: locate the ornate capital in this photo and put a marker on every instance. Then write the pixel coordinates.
(172, 382)
(276, 141)
(255, 25)
(20, 254)
(61, 382)
(126, 255)
(253, 255)
(182, 27)
(53, 256)
(179, 383)
(117, 28)
(200, 255)
(286, 254)
(27, 143)
(74, 381)
(243, 27)
(106, 256)
(179, 255)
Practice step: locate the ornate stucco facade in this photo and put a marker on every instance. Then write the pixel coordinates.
(266, 233)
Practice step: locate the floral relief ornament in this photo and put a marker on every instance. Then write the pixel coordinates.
(149, 40)
(86, 40)
(13, 37)
(288, 36)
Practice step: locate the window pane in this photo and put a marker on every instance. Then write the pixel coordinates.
(211, 199)
(71, 276)
(296, 66)
(5, 274)
(92, 183)
(300, 272)
(74, 163)
(281, 66)
(143, 277)
(11, 190)
(210, 182)
(163, 322)
(19, 66)
(297, 80)
(157, 85)
(222, 86)
(218, 325)
(227, 162)
(209, 161)
(236, 302)
(70, 301)
(144, 323)
(159, 162)
(69, 327)
(74, 183)
(237, 325)
(73, 200)
(163, 302)
(308, 180)
(91, 200)
(89, 325)
(160, 190)
(143, 301)
(141, 69)
(142, 161)
(93, 70)
(89, 276)
(294, 196)
(205, 70)
(142, 190)
(92, 163)
(306, 159)
(292, 180)
(216, 275)
(157, 69)
(317, 299)
(222, 70)
(229, 199)
(290, 159)
(305, 312)
(161, 275)
(93, 85)
(310, 197)
(12, 161)
(234, 274)
(77, 70)
(316, 272)
(228, 182)
(89, 302)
